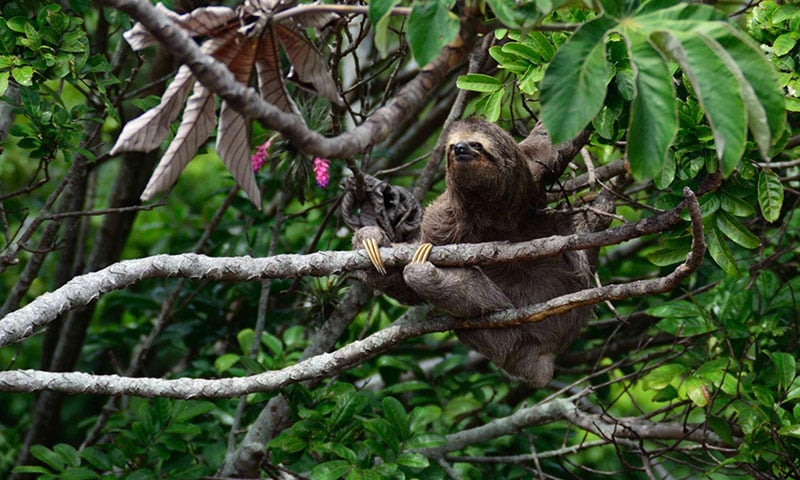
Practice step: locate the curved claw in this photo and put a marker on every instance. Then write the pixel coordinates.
(374, 255)
(422, 253)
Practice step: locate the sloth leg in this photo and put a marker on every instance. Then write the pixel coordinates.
(462, 292)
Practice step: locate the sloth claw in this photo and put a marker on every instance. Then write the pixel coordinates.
(374, 255)
(422, 253)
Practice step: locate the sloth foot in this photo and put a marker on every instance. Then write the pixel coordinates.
(374, 255)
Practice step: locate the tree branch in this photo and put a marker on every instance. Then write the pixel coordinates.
(612, 430)
(87, 288)
(413, 323)
(216, 76)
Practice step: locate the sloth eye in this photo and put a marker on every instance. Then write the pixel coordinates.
(476, 146)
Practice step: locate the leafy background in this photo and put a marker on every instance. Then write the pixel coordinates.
(704, 96)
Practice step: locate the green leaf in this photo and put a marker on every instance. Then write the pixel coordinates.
(697, 391)
(677, 308)
(721, 252)
(245, 339)
(288, 443)
(347, 405)
(413, 460)
(81, 473)
(49, 458)
(4, 82)
(23, 75)
(385, 431)
(662, 376)
(426, 440)
(478, 82)
(493, 105)
(717, 90)
(734, 230)
(523, 51)
(654, 114)
(332, 470)
(785, 367)
(574, 85)
(32, 469)
(785, 43)
(273, 343)
(761, 91)
(225, 361)
(68, 453)
(541, 44)
(770, 195)
(736, 205)
(519, 15)
(97, 458)
(191, 409)
(379, 16)
(431, 26)
(721, 428)
(379, 9)
(395, 414)
(508, 61)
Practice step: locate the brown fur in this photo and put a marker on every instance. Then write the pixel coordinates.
(491, 196)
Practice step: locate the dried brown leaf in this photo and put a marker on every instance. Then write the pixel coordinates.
(146, 132)
(198, 22)
(233, 142)
(311, 69)
(270, 77)
(196, 127)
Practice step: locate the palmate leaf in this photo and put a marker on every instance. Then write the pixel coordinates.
(735, 85)
(244, 40)
(147, 131)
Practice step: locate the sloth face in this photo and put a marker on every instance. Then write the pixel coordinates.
(484, 164)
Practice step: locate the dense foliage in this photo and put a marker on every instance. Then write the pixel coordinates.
(698, 382)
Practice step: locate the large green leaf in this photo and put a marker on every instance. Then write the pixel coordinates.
(431, 26)
(761, 92)
(717, 89)
(653, 98)
(574, 85)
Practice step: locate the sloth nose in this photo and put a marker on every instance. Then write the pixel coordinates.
(461, 148)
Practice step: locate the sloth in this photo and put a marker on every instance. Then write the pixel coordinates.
(493, 192)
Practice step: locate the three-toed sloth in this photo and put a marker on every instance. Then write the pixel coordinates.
(493, 194)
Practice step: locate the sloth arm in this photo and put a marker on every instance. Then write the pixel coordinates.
(461, 292)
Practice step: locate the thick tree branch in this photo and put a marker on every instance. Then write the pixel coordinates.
(411, 324)
(85, 289)
(216, 76)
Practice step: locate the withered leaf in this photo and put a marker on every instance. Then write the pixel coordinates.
(245, 40)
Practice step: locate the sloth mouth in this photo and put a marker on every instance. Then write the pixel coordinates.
(466, 157)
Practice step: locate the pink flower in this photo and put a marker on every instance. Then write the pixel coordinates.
(321, 174)
(260, 157)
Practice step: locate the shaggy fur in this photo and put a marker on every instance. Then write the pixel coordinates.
(492, 195)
